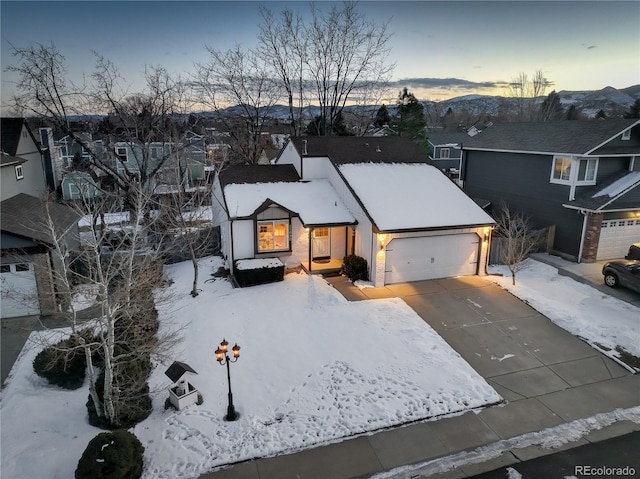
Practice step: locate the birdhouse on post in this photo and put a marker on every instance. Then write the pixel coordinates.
(181, 393)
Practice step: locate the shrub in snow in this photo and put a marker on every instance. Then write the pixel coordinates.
(132, 403)
(355, 268)
(114, 455)
(63, 363)
(250, 272)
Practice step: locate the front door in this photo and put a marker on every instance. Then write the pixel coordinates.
(321, 243)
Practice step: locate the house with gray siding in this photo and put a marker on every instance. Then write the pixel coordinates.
(583, 177)
(28, 261)
(445, 150)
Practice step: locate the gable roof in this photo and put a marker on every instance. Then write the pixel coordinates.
(569, 137)
(412, 197)
(315, 202)
(619, 193)
(25, 215)
(237, 174)
(360, 149)
(10, 129)
(177, 370)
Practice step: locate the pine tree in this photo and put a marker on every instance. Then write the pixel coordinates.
(410, 118)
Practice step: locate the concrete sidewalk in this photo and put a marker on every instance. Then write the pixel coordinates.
(547, 377)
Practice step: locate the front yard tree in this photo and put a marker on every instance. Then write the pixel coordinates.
(115, 265)
(517, 239)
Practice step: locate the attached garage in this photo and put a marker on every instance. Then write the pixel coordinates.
(430, 257)
(616, 236)
(19, 290)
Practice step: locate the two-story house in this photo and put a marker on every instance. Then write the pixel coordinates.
(28, 263)
(445, 151)
(581, 176)
(328, 197)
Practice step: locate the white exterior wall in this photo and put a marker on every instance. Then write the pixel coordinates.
(316, 167)
(299, 240)
(289, 156)
(243, 239)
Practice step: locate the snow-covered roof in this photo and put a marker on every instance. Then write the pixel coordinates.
(620, 185)
(316, 202)
(411, 196)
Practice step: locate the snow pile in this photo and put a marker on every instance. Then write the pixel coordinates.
(602, 320)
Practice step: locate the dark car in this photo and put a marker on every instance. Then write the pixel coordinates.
(634, 251)
(622, 273)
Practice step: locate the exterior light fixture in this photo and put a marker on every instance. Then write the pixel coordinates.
(223, 358)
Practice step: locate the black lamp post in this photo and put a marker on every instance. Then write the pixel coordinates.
(223, 358)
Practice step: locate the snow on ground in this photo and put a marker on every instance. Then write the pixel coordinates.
(602, 320)
(314, 368)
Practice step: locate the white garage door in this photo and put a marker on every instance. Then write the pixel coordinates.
(430, 257)
(616, 236)
(19, 293)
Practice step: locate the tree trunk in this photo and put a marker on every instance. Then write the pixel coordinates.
(92, 383)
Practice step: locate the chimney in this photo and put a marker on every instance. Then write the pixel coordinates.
(304, 150)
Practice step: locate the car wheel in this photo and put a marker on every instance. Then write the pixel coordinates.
(611, 280)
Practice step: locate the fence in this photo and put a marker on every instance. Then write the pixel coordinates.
(544, 244)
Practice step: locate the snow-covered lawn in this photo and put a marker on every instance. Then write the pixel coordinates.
(605, 322)
(314, 368)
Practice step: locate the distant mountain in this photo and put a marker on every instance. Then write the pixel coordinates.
(612, 101)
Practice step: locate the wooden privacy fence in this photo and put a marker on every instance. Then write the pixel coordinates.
(544, 245)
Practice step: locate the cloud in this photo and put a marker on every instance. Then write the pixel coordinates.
(446, 83)
(588, 47)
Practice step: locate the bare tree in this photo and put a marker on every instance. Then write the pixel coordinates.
(518, 239)
(240, 78)
(336, 58)
(122, 272)
(137, 120)
(284, 42)
(185, 226)
(527, 91)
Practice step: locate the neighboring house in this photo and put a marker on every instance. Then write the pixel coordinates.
(327, 197)
(77, 185)
(21, 160)
(581, 176)
(27, 267)
(70, 148)
(445, 151)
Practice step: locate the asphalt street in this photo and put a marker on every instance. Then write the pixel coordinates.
(618, 457)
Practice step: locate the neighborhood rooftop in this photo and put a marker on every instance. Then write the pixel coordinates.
(569, 137)
(342, 149)
(236, 174)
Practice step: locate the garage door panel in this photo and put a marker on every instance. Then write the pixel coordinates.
(415, 259)
(616, 236)
(18, 291)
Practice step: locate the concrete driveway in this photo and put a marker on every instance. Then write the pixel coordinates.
(547, 377)
(520, 352)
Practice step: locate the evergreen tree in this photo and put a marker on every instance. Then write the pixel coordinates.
(410, 118)
(573, 113)
(601, 115)
(551, 108)
(382, 117)
(634, 110)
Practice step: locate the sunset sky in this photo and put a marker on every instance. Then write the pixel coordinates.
(442, 49)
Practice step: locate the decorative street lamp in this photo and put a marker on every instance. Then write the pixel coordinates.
(223, 358)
